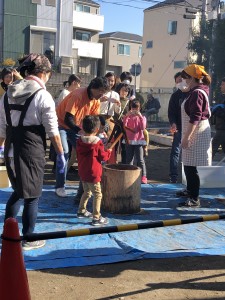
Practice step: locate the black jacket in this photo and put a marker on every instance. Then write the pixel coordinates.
(174, 108)
(218, 115)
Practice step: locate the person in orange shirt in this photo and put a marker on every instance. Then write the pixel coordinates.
(71, 111)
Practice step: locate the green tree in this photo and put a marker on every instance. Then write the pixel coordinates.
(200, 45)
(218, 55)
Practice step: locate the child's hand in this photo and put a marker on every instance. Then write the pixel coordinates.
(103, 99)
(108, 146)
(116, 101)
(81, 132)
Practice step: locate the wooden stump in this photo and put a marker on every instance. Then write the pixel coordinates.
(121, 189)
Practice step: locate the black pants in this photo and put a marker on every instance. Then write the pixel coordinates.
(193, 181)
(30, 211)
(218, 140)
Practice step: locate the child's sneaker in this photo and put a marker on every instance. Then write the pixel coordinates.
(144, 180)
(100, 221)
(85, 214)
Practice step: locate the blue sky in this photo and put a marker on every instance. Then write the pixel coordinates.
(124, 18)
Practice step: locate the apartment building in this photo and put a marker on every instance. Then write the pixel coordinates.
(120, 51)
(166, 34)
(87, 23)
(64, 30)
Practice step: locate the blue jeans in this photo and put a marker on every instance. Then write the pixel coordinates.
(175, 154)
(30, 211)
(65, 135)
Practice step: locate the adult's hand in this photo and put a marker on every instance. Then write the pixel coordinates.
(61, 163)
(173, 128)
(2, 151)
(185, 143)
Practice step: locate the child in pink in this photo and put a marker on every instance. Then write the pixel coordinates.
(137, 123)
(90, 154)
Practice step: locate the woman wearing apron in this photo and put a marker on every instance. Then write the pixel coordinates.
(196, 132)
(27, 112)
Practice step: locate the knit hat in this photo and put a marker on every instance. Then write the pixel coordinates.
(195, 71)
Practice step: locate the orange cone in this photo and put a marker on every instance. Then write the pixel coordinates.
(13, 276)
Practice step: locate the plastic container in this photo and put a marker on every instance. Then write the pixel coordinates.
(210, 176)
(4, 180)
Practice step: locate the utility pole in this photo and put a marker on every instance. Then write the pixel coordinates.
(204, 11)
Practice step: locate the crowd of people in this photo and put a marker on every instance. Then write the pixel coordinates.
(82, 123)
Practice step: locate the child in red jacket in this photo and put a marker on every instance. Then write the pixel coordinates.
(90, 154)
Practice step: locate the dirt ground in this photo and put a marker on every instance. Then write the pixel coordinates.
(180, 278)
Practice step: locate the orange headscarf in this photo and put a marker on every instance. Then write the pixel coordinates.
(195, 71)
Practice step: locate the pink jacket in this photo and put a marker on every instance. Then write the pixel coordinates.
(137, 124)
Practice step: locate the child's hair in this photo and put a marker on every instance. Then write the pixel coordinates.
(91, 123)
(126, 76)
(121, 85)
(111, 74)
(71, 79)
(135, 104)
(6, 71)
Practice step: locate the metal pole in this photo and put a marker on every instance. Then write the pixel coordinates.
(120, 228)
(135, 77)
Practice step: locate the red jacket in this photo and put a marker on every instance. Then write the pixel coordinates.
(90, 154)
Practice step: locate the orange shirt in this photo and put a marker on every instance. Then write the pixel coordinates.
(79, 105)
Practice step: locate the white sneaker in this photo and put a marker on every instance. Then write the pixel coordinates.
(61, 192)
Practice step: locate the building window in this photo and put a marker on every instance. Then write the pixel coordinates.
(36, 1)
(50, 3)
(43, 42)
(81, 35)
(149, 70)
(172, 27)
(180, 64)
(123, 49)
(83, 8)
(149, 44)
(140, 51)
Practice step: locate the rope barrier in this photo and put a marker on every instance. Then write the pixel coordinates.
(110, 229)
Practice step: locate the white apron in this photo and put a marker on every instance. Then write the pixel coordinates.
(199, 153)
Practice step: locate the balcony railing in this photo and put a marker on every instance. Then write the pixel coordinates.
(88, 21)
(88, 49)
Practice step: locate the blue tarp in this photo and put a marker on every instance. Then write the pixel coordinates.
(158, 202)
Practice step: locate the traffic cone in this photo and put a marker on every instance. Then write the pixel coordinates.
(13, 276)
